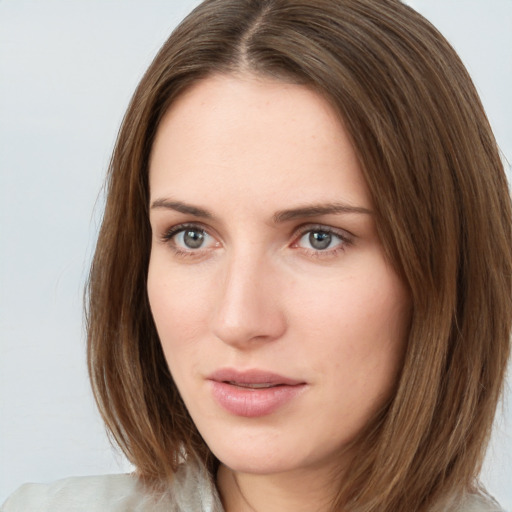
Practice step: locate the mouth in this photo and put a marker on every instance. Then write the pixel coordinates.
(253, 393)
(255, 379)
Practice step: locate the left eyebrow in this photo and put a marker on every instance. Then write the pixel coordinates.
(318, 209)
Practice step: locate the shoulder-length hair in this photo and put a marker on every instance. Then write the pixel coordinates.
(443, 214)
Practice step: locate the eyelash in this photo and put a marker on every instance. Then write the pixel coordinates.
(346, 239)
(168, 238)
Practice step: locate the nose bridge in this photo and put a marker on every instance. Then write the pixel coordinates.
(248, 307)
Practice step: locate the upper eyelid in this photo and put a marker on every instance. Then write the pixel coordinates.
(174, 230)
(304, 228)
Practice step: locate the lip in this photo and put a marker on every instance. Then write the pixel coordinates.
(231, 389)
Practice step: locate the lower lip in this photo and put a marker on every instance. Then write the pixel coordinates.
(252, 403)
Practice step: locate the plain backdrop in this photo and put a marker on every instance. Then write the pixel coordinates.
(67, 71)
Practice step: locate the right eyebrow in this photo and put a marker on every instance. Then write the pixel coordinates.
(181, 207)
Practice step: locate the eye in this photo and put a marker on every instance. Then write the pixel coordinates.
(318, 240)
(322, 239)
(189, 238)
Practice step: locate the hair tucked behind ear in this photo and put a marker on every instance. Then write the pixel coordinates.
(443, 215)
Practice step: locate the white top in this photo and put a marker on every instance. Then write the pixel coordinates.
(192, 491)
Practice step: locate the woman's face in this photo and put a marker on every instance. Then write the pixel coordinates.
(281, 321)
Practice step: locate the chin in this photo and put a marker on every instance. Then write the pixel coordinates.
(265, 455)
(258, 464)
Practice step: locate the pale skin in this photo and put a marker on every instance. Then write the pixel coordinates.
(265, 255)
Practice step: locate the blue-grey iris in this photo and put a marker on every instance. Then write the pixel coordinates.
(319, 240)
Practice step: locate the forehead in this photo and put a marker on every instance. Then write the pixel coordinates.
(254, 136)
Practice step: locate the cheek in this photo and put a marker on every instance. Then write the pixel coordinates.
(364, 309)
(179, 306)
(380, 337)
(357, 329)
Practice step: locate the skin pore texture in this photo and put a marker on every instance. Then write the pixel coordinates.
(266, 270)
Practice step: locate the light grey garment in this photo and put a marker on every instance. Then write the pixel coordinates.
(191, 491)
(477, 503)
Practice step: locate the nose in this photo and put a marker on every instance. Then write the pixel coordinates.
(249, 308)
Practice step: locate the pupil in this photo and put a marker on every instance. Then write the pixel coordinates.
(320, 240)
(193, 239)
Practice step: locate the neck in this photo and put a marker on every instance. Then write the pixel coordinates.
(298, 491)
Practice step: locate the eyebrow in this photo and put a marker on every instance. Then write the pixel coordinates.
(182, 208)
(279, 217)
(318, 209)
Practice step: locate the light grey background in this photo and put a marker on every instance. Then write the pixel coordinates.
(67, 71)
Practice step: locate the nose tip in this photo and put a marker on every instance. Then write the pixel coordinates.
(249, 308)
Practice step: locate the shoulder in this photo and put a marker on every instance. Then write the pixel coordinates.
(478, 502)
(115, 493)
(192, 490)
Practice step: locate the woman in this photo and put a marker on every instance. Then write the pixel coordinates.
(300, 297)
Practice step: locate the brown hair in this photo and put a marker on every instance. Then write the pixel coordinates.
(443, 214)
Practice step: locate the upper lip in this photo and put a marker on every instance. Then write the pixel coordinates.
(253, 376)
